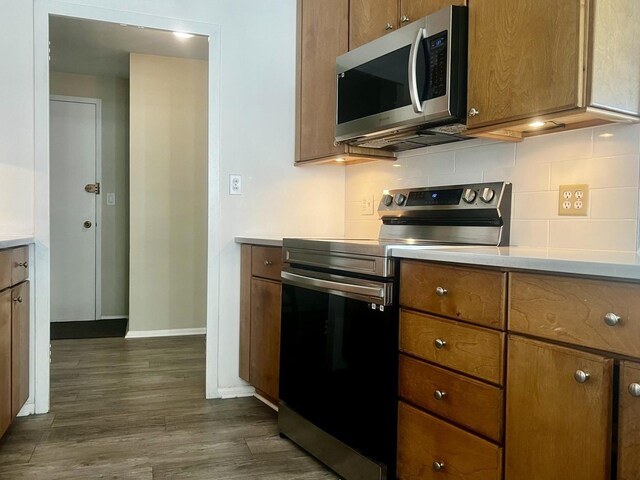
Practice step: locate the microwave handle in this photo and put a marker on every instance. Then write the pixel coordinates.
(413, 71)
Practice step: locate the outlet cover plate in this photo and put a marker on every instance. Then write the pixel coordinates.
(573, 200)
(235, 184)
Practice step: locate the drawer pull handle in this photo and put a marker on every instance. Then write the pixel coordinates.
(18, 299)
(438, 466)
(611, 319)
(634, 389)
(22, 264)
(439, 394)
(439, 343)
(441, 292)
(581, 376)
(268, 263)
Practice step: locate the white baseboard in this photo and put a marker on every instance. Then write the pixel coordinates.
(178, 332)
(27, 409)
(265, 401)
(114, 317)
(236, 392)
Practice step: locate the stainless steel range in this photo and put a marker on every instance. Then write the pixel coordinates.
(339, 331)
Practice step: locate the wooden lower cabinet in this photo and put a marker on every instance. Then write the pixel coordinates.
(19, 347)
(265, 336)
(430, 448)
(260, 297)
(5, 360)
(629, 422)
(558, 425)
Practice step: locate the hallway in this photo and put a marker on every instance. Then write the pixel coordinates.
(135, 409)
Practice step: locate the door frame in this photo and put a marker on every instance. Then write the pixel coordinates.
(42, 279)
(98, 220)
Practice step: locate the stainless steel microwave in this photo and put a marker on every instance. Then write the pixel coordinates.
(412, 80)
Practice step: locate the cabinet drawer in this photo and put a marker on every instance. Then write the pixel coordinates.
(19, 264)
(5, 269)
(424, 440)
(472, 350)
(470, 294)
(266, 262)
(574, 310)
(462, 400)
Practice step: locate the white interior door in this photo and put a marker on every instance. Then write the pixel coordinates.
(74, 163)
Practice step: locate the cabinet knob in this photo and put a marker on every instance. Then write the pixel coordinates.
(611, 319)
(18, 299)
(473, 112)
(441, 292)
(439, 394)
(22, 264)
(439, 343)
(581, 376)
(634, 389)
(268, 263)
(404, 19)
(438, 466)
(388, 26)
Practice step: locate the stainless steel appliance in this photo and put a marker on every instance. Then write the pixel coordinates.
(408, 88)
(339, 330)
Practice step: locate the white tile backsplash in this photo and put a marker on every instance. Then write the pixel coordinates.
(610, 164)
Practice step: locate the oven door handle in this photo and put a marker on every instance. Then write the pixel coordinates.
(413, 71)
(368, 291)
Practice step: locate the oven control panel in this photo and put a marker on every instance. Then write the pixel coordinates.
(456, 197)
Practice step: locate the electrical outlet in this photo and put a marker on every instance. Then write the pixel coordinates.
(573, 200)
(367, 205)
(235, 185)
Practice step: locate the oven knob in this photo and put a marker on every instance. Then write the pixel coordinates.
(469, 195)
(400, 198)
(487, 194)
(387, 199)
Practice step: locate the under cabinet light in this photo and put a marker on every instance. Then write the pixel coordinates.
(182, 35)
(536, 124)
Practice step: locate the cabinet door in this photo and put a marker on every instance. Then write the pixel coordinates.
(370, 19)
(19, 346)
(525, 58)
(5, 360)
(323, 34)
(245, 313)
(412, 10)
(629, 422)
(556, 427)
(265, 336)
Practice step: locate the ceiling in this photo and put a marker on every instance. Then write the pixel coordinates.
(99, 48)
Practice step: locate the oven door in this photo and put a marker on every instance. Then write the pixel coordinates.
(338, 358)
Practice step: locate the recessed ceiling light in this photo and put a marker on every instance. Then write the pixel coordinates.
(536, 124)
(182, 35)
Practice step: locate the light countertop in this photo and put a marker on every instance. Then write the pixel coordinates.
(622, 265)
(8, 241)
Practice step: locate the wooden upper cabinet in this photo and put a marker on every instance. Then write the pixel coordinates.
(412, 10)
(525, 58)
(323, 34)
(370, 19)
(556, 427)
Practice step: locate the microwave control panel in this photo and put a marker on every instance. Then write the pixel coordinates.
(436, 48)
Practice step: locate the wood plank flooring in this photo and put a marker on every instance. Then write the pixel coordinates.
(135, 409)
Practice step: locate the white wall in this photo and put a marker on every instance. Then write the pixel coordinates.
(606, 158)
(168, 277)
(114, 93)
(256, 69)
(16, 118)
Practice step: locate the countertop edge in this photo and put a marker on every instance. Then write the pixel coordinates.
(262, 241)
(16, 241)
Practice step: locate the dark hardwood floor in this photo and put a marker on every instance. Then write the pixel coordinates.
(135, 409)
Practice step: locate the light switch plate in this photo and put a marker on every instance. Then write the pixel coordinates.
(367, 205)
(111, 198)
(573, 200)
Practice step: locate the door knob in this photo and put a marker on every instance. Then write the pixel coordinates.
(87, 224)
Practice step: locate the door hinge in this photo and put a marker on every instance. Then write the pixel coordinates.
(92, 188)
